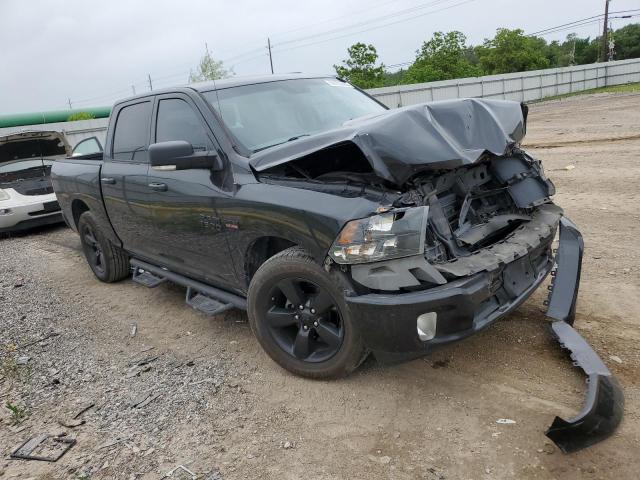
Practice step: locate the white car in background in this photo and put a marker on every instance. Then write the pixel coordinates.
(26, 195)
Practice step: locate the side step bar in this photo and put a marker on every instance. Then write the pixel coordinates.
(202, 297)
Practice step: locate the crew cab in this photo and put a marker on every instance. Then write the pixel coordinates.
(26, 194)
(342, 227)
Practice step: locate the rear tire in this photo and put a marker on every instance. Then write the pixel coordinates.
(298, 314)
(108, 262)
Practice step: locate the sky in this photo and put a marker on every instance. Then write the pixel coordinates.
(92, 53)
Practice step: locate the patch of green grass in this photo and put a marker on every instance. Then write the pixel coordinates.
(626, 88)
(18, 413)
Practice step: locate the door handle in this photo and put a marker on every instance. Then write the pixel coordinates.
(108, 180)
(159, 187)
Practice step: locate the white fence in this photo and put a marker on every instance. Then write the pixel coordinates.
(521, 86)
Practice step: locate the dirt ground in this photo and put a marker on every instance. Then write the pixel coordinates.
(198, 391)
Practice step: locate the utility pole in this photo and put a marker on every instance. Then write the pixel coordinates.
(605, 31)
(270, 57)
(133, 87)
(150, 84)
(69, 100)
(612, 44)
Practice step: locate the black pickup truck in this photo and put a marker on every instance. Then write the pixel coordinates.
(342, 227)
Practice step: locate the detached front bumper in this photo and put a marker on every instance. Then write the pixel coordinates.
(388, 325)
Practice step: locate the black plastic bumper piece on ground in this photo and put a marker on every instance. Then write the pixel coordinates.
(604, 403)
(603, 407)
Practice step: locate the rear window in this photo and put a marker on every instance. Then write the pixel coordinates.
(131, 135)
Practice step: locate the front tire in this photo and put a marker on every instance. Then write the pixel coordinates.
(298, 314)
(107, 261)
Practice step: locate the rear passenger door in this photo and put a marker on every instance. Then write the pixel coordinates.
(124, 177)
(192, 238)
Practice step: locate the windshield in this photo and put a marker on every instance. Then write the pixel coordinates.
(268, 114)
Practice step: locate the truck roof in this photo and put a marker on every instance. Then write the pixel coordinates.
(228, 83)
(250, 80)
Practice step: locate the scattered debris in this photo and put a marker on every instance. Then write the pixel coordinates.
(134, 329)
(180, 472)
(83, 408)
(615, 358)
(44, 447)
(110, 443)
(505, 421)
(70, 423)
(46, 337)
(287, 445)
(144, 399)
(569, 167)
(23, 360)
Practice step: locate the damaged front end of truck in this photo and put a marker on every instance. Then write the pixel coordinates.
(462, 235)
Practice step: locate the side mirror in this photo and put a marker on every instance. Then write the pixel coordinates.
(179, 155)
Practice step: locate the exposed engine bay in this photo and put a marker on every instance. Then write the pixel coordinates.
(480, 216)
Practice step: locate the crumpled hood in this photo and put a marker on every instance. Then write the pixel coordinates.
(431, 136)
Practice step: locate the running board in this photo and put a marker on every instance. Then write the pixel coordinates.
(202, 297)
(148, 279)
(205, 304)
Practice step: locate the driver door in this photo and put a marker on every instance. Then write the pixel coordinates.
(189, 231)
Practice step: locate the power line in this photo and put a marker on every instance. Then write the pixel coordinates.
(372, 28)
(598, 17)
(366, 22)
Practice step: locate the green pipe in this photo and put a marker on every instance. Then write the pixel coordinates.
(38, 118)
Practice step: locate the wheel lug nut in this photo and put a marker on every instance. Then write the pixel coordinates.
(315, 324)
(305, 327)
(313, 310)
(301, 307)
(296, 316)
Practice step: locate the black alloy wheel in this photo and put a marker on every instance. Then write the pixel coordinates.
(298, 312)
(108, 262)
(304, 320)
(93, 250)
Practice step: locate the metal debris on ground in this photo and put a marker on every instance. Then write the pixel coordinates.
(44, 447)
(144, 400)
(180, 472)
(134, 329)
(505, 421)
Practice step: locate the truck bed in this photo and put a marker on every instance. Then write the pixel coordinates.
(76, 181)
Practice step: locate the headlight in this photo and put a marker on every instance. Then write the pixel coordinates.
(3, 195)
(398, 233)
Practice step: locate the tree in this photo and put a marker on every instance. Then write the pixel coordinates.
(360, 68)
(443, 57)
(80, 116)
(512, 51)
(627, 41)
(209, 69)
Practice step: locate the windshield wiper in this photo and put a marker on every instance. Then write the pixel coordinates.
(296, 137)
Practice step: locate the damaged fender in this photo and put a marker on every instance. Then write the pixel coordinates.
(603, 407)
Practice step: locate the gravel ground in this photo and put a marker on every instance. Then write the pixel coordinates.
(144, 383)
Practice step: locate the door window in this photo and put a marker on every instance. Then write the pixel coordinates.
(87, 147)
(178, 121)
(131, 135)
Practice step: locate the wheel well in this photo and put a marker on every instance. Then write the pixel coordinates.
(262, 250)
(78, 207)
